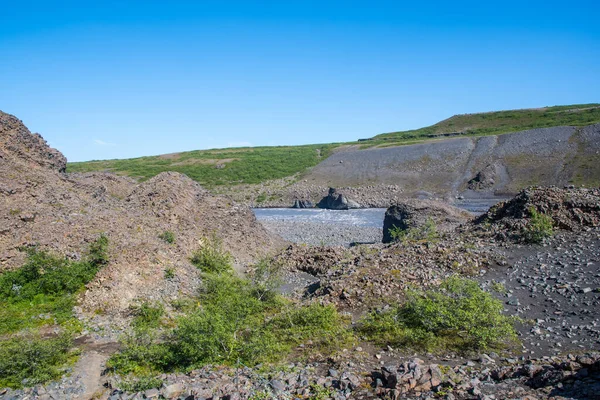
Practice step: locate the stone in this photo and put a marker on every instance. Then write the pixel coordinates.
(152, 393)
(336, 201)
(173, 391)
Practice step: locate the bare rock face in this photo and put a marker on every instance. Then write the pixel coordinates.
(415, 213)
(17, 142)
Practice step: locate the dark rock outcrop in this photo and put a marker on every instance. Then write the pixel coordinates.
(302, 204)
(416, 213)
(336, 201)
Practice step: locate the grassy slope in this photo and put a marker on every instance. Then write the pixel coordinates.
(219, 167)
(259, 164)
(499, 122)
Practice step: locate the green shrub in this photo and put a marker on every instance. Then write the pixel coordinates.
(31, 360)
(169, 273)
(211, 257)
(167, 236)
(46, 274)
(235, 324)
(456, 316)
(42, 292)
(139, 383)
(147, 316)
(426, 232)
(261, 198)
(266, 278)
(539, 227)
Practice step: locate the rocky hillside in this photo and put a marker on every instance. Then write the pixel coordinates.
(40, 205)
(470, 165)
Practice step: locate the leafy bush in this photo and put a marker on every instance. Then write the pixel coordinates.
(139, 383)
(46, 274)
(266, 278)
(211, 257)
(42, 292)
(167, 236)
(31, 360)
(539, 227)
(236, 323)
(426, 232)
(456, 316)
(148, 316)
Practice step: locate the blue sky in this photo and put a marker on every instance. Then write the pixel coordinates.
(125, 79)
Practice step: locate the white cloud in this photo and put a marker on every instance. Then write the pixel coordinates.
(103, 143)
(239, 144)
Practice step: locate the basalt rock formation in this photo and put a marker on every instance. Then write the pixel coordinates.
(337, 201)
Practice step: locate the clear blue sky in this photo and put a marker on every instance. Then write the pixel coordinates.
(125, 79)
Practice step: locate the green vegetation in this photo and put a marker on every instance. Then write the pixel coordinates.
(167, 236)
(219, 167)
(147, 316)
(499, 122)
(234, 321)
(211, 257)
(427, 233)
(457, 316)
(30, 360)
(252, 165)
(539, 227)
(169, 273)
(498, 287)
(42, 292)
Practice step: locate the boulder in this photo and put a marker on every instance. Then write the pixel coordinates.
(302, 204)
(485, 179)
(416, 213)
(337, 201)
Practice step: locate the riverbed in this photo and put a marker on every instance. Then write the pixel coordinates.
(315, 226)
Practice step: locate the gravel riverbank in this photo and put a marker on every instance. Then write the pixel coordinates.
(323, 233)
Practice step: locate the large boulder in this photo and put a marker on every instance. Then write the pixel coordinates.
(416, 213)
(337, 201)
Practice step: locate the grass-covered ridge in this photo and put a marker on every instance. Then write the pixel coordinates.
(218, 167)
(499, 122)
(251, 165)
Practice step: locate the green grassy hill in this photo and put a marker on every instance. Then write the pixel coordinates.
(218, 167)
(259, 164)
(499, 122)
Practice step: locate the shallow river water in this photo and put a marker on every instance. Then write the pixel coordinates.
(365, 217)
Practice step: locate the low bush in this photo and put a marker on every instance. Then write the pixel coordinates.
(167, 236)
(539, 227)
(147, 315)
(457, 316)
(426, 232)
(31, 360)
(42, 292)
(235, 321)
(211, 257)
